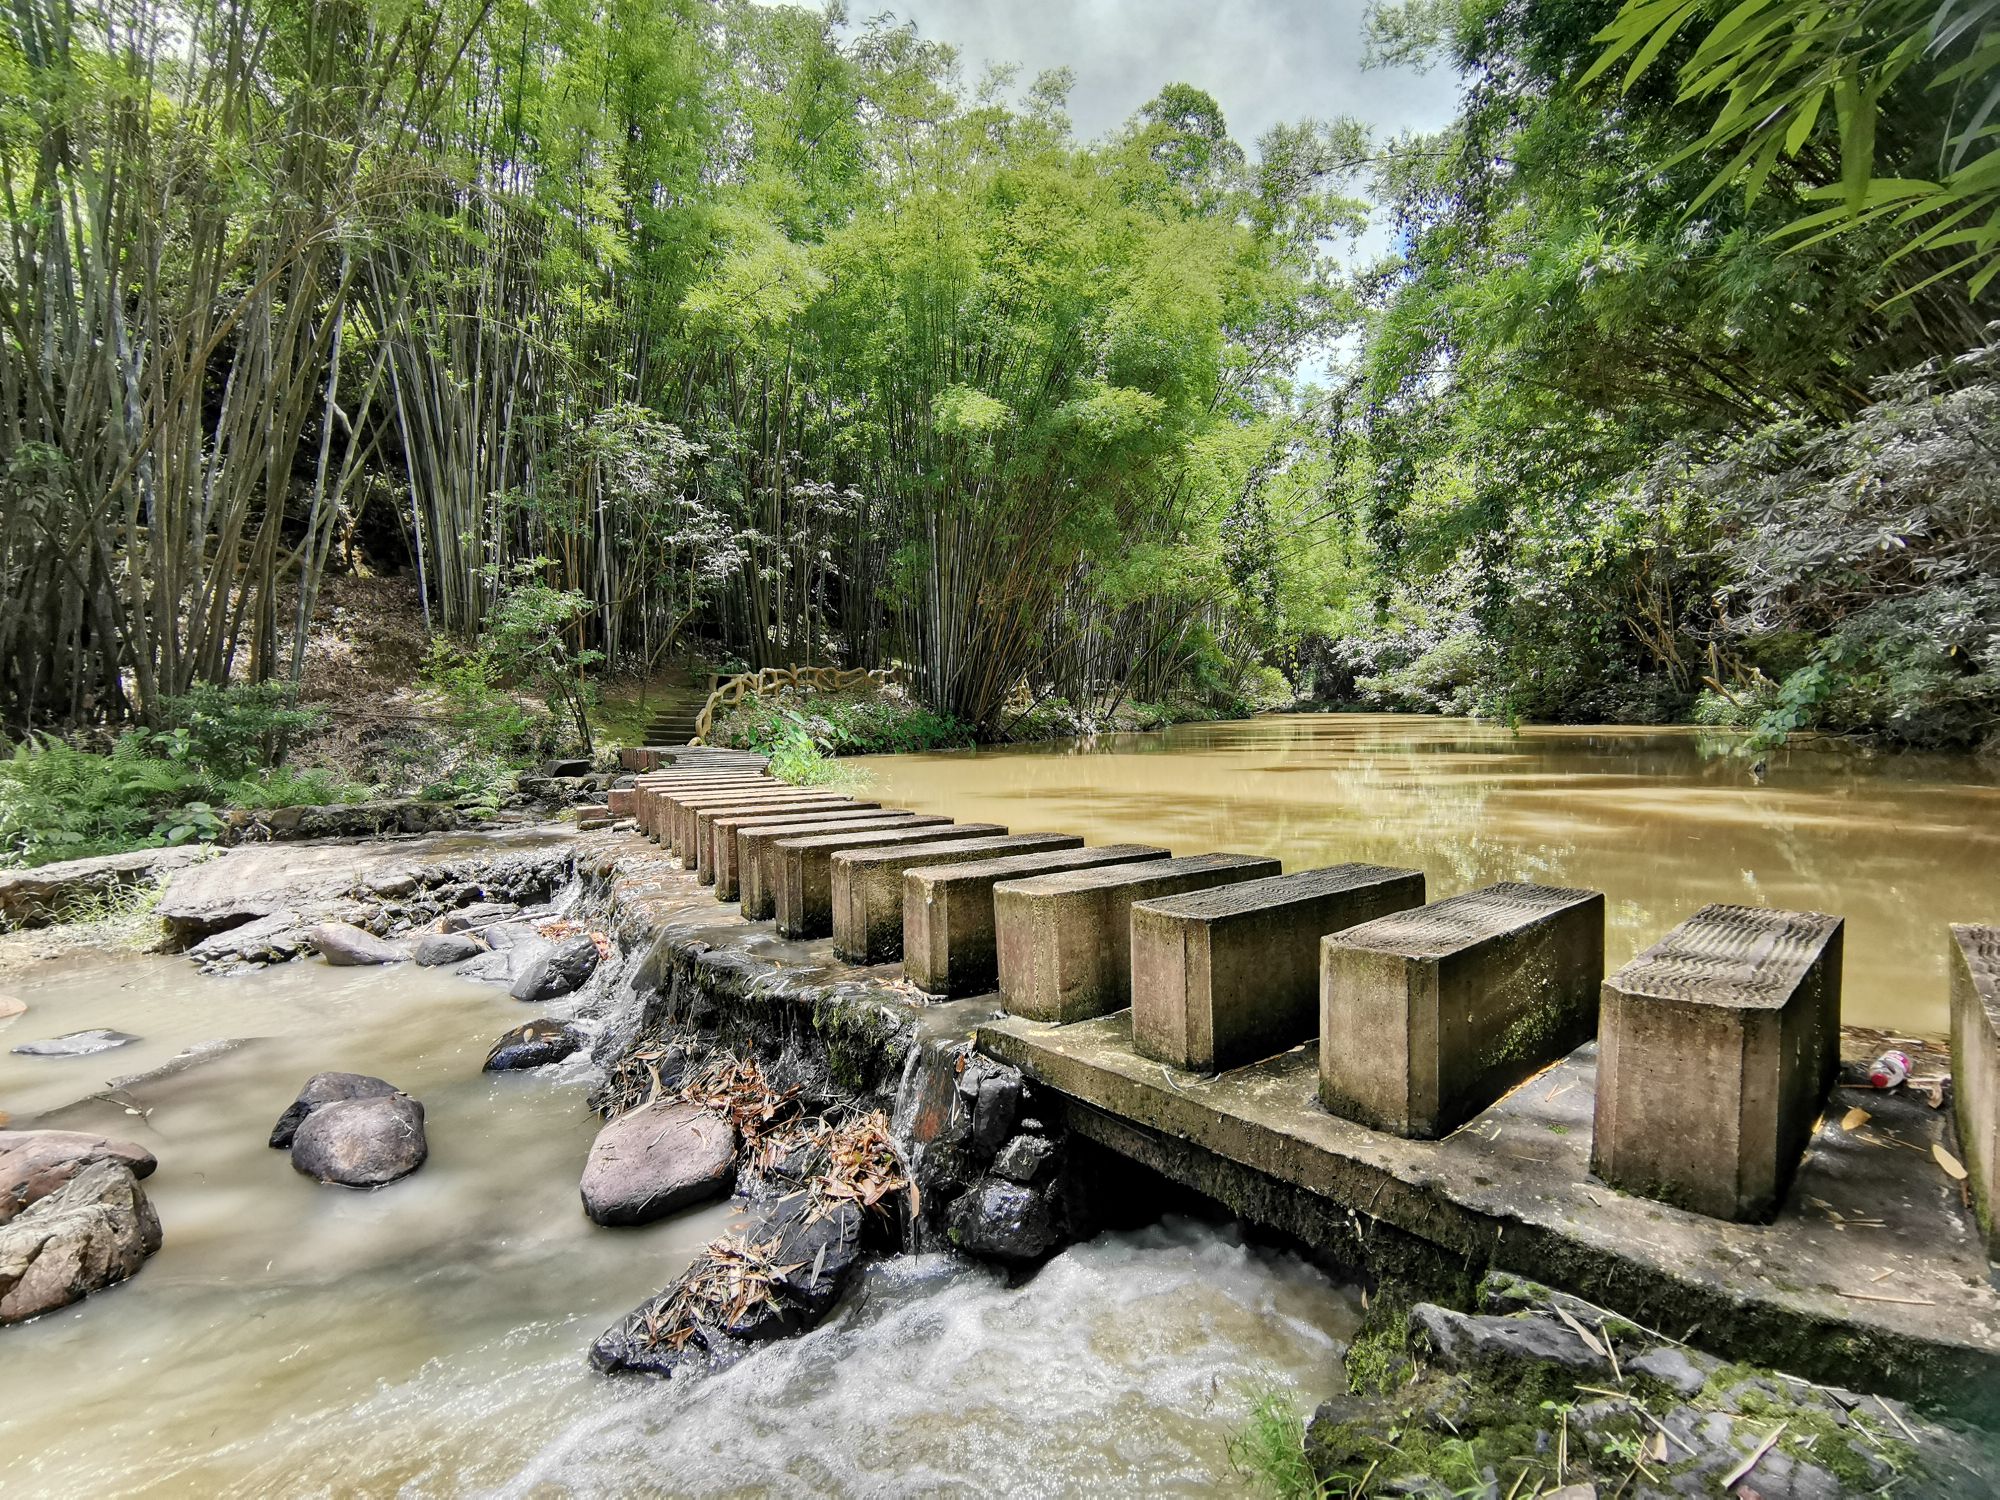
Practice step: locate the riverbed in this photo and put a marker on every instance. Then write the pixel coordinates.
(1663, 821)
(429, 1338)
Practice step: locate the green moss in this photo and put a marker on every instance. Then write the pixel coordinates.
(864, 1043)
(1379, 1356)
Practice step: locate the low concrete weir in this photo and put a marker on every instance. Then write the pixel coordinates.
(1065, 940)
(1429, 1015)
(757, 859)
(723, 841)
(948, 926)
(868, 887)
(1975, 1054)
(804, 886)
(1225, 976)
(1716, 1048)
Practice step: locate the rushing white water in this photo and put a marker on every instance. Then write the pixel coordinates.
(429, 1339)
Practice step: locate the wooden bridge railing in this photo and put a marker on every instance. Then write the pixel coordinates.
(773, 682)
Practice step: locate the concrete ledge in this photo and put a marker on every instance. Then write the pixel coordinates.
(651, 791)
(1716, 1048)
(757, 863)
(948, 936)
(868, 887)
(1429, 1015)
(804, 869)
(1226, 976)
(1511, 1192)
(1975, 1067)
(700, 855)
(727, 825)
(743, 799)
(1065, 941)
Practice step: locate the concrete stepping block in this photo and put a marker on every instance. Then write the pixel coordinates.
(1429, 1015)
(722, 835)
(1975, 1067)
(650, 792)
(687, 834)
(667, 800)
(1716, 1049)
(1226, 976)
(1064, 941)
(708, 840)
(804, 869)
(948, 933)
(757, 844)
(868, 887)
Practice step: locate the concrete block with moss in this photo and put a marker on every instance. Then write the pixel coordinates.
(868, 887)
(757, 860)
(804, 884)
(1716, 1049)
(723, 836)
(707, 820)
(1429, 1015)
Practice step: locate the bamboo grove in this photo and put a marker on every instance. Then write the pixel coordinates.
(760, 327)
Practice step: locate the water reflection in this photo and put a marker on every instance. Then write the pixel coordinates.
(1660, 820)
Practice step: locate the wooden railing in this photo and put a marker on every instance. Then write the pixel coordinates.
(773, 682)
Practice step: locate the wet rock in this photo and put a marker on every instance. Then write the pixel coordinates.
(362, 1142)
(577, 766)
(495, 967)
(34, 1163)
(47, 893)
(1023, 1158)
(479, 914)
(560, 971)
(533, 1045)
(276, 938)
(77, 1044)
(322, 1089)
(813, 1249)
(1669, 1366)
(1469, 1342)
(992, 1095)
(1003, 1220)
(510, 935)
(95, 1229)
(11, 1007)
(344, 945)
(436, 949)
(653, 1160)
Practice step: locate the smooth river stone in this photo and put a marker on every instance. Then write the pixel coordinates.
(96, 1229)
(76, 1044)
(655, 1159)
(34, 1163)
(362, 1143)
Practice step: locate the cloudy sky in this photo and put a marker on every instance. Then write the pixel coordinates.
(1263, 60)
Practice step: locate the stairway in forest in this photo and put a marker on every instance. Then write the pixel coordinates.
(674, 716)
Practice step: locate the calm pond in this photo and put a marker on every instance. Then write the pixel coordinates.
(1661, 820)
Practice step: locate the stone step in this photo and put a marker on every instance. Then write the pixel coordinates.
(726, 845)
(948, 941)
(710, 824)
(1225, 976)
(1429, 1015)
(1064, 941)
(1715, 1051)
(1975, 1066)
(868, 887)
(655, 788)
(804, 870)
(757, 857)
(686, 810)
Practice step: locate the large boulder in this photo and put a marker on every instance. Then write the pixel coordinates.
(96, 1229)
(344, 945)
(436, 949)
(323, 1089)
(77, 1043)
(47, 893)
(34, 1163)
(1004, 1220)
(655, 1159)
(533, 1045)
(362, 1143)
(561, 970)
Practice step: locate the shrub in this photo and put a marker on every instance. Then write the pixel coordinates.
(840, 725)
(233, 730)
(59, 802)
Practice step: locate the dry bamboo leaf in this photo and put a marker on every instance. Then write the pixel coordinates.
(1589, 1338)
(1953, 1167)
(1855, 1118)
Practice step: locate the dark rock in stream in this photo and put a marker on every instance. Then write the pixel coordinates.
(95, 1229)
(562, 970)
(346, 946)
(1004, 1220)
(77, 1044)
(362, 1143)
(655, 1159)
(436, 949)
(533, 1045)
(1023, 1158)
(323, 1089)
(35, 1163)
(479, 914)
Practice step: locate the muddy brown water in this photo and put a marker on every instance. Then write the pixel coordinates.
(430, 1338)
(1661, 821)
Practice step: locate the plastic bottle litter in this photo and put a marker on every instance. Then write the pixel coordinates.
(1888, 1070)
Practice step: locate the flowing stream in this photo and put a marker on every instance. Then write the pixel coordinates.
(429, 1339)
(1663, 821)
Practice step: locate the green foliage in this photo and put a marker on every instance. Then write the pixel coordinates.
(840, 724)
(469, 681)
(1268, 1451)
(530, 638)
(231, 730)
(797, 760)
